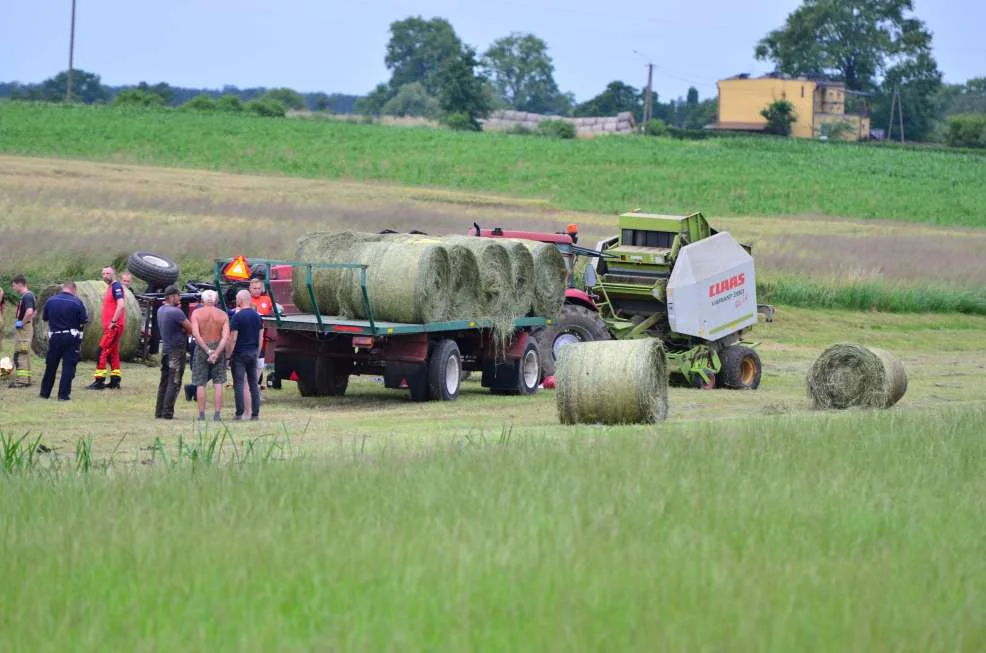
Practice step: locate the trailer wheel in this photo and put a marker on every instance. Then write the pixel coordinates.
(575, 323)
(741, 368)
(519, 377)
(444, 371)
(323, 377)
(158, 271)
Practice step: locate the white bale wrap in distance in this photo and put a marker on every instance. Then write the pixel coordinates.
(848, 375)
(612, 382)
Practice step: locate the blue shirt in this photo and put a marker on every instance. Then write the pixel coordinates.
(64, 311)
(247, 323)
(169, 319)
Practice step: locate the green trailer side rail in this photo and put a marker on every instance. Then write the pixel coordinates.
(318, 323)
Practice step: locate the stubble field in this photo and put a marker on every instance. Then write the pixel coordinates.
(368, 522)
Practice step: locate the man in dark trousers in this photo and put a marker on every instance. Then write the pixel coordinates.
(66, 317)
(24, 332)
(174, 327)
(243, 350)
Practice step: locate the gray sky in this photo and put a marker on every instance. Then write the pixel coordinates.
(325, 45)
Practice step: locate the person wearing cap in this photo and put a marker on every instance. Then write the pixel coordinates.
(66, 317)
(174, 328)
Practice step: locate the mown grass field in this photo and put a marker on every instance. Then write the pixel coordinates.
(723, 177)
(744, 522)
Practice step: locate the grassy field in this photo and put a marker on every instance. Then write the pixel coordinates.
(723, 177)
(858, 532)
(85, 215)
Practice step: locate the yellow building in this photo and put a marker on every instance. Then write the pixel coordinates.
(820, 107)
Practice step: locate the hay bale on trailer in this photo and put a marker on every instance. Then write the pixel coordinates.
(320, 247)
(522, 273)
(853, 376)
(612, 382)
(550, 277)
(91, 293)
(406, 281)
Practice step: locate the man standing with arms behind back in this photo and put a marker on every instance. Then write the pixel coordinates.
(114, 319)
(24, 332)
(66, 317)
(243, 349)
(210, 328)
(174, 327)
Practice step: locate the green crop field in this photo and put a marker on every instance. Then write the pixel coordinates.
(746, 521)
(723, 177)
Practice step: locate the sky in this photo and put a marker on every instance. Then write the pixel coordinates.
(339, 47)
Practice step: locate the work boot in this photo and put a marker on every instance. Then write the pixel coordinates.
(114, 383)
(98, 384)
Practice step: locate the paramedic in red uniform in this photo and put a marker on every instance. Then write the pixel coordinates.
(114, 319)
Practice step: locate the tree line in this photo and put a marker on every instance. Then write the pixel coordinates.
(878, 48)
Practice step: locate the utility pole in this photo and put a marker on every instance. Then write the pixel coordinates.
(71, 56)
(648, 98)
(896, 105)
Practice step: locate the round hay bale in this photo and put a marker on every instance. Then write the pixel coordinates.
(406, 282)
(847, 375)
(91, 293)
(612, 382)
(522, 273)
(463, 272)
(322, 248)
(495, 289)
(550, 278)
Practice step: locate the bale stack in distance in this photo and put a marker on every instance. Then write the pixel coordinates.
(612, 382)
(853, 376)
(550, 278)
(91, 293)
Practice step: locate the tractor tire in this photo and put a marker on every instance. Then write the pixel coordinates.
(158, 271)
(444, 371)
(323, 377)
(741, 368)
(575, 323)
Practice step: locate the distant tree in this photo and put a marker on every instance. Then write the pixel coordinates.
(780, 116)
(970, 97)
(617, 98)
(692, 97)
(266, 106)
(522, 74)
(463, 91)
(289, 98)
(230, 103)
(161, 89)
(201, 102)
(318, 101)
(136, 97)
(919, 81)
(372, 103)
(412, 100)
(86, 87)
(417, 51)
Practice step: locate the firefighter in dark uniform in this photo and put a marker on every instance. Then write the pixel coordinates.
(66, 317)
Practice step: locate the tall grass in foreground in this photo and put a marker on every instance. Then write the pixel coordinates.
(732, 176)
(850, 532)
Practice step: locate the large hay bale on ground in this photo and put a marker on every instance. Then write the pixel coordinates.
(550, 278)
(91, 293)
(322, 248)
(853, 376)
(405, 281)
(522, 273)
(612, 382)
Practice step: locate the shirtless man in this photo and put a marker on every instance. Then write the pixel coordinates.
(210, 328)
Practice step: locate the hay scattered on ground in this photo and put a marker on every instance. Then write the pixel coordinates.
(522, 273)
(91, 293)
(612, 382)
(550, 278)
(853, 376)
(406, 282)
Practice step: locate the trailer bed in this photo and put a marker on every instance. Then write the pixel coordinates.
(334, 324)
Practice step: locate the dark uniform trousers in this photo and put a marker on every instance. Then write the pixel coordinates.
(63, 348)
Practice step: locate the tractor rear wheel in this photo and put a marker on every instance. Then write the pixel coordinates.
(575, 323)
(741, 368)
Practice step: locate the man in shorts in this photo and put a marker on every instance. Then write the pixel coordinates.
(210, 328)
